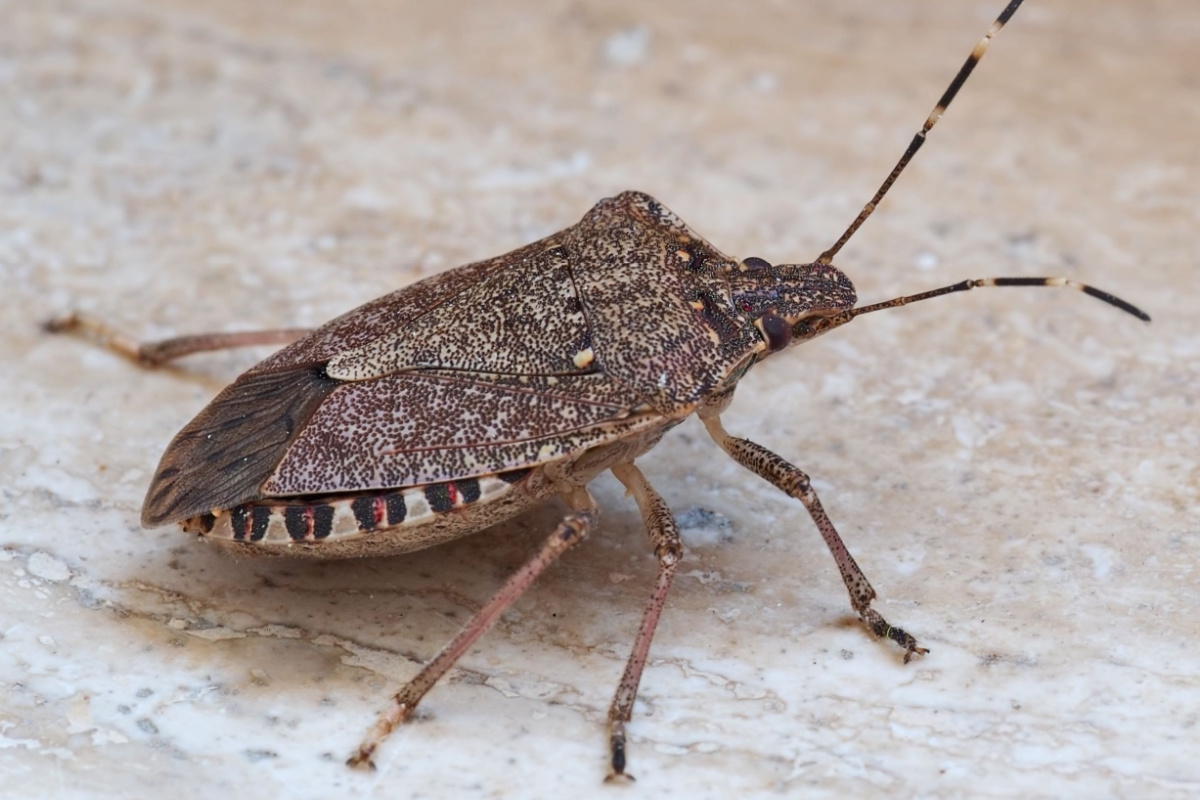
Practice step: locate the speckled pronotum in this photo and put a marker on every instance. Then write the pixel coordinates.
(457, 402)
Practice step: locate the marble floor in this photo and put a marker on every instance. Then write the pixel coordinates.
(1015, 469)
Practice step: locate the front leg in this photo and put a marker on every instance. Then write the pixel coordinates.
(795, 483)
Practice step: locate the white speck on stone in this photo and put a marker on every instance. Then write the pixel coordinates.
(726, 615)
(141, 88)
(6, 743)
(65, 486)
(629, 46)
(132, 477)
(103, 736)
(926, 261)
(61, 753)
(838, 384)
(1103, 559)
(764, 82)
(1145, 472)
(699, 527)
(968, 433)
(908, 560)
(368, 198)
(48, 568)
(79, 715)
(541, 174)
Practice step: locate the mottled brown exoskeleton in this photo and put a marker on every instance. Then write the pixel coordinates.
(457, 402)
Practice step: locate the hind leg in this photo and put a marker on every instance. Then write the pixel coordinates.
(154, 354)
(570, 531)
(664, 535)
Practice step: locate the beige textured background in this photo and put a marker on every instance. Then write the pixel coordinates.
(1015, 469)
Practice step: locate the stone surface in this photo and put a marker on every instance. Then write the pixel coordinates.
(1015, 469)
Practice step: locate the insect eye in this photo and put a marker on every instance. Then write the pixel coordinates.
(777, 332)
(755, 264)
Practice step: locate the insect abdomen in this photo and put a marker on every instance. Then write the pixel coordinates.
(383, 522)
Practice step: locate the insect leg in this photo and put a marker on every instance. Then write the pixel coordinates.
(795, 483)
(664, 535)
(154, 354)
(570, 531)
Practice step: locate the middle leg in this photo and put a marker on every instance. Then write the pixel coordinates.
(668, 547)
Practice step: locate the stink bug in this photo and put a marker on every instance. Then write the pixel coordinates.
(455, 403)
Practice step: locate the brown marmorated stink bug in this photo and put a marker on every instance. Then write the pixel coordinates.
(457, 402)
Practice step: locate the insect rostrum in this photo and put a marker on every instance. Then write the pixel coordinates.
(457, 402)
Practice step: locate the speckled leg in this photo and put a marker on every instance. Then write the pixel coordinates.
(795, 483)
(664, 535)
(570, 531)
(154, 354)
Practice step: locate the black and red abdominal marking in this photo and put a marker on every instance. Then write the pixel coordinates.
(308, 522)
(318, 519)
(444, 496)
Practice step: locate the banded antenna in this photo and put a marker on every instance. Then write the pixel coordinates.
(919, 139)
(816, 325)
(823, 324)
